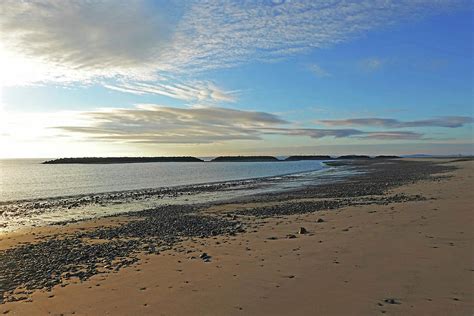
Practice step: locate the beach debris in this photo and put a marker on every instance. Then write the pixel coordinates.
(320, 220)
(290, 236)
(302, 231)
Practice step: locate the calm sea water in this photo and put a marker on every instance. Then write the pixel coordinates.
(29, 179)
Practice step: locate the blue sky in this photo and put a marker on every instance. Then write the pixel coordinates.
(253, 77)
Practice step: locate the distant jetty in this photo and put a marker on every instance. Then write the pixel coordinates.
(303, 157)
(244, 159)
(110, 160)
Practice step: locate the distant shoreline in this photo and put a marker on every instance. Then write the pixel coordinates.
(113, 160)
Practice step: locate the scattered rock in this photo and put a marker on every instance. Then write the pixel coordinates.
(302, 231)
(205, 257)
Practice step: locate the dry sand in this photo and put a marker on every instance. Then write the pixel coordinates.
(418, 253)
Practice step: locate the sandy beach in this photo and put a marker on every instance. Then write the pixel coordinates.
(407, 251)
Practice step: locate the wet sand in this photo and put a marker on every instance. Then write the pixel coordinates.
(396, 257)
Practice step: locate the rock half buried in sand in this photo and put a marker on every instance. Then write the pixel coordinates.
(205, 257)
(320, 220)
(302, 231)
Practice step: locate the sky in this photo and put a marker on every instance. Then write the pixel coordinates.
(207, 78)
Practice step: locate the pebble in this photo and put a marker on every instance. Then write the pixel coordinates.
(391, 301)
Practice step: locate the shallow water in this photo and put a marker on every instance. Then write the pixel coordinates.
(29, 179)
(38, 195)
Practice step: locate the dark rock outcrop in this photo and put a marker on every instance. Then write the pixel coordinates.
(386, 157)
(353, 157)
(302, 157)
(109, 160)
(244, 159)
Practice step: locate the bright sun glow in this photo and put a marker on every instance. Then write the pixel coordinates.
(16, 69)
(6, 66)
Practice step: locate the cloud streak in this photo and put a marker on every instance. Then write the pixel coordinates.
(372, 64)
(201, 91)
(149, 123)
(445, 121)
(318, 71)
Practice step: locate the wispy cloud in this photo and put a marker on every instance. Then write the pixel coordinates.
(445, 121)
(318, 71)
(136, 40)
(372, 64)
(149, 123)
(160, 124)
(214, 34)
(393, 135)
(201, 91)
(343, 133)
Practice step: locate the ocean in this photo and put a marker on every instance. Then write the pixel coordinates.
(35, 194)
(29, 179)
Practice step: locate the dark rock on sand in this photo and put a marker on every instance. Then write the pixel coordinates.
(302, 230)
(391, 301)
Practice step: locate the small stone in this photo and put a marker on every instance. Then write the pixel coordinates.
(320, 220)
(302, 231)
(391, 301)
(290, 236)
